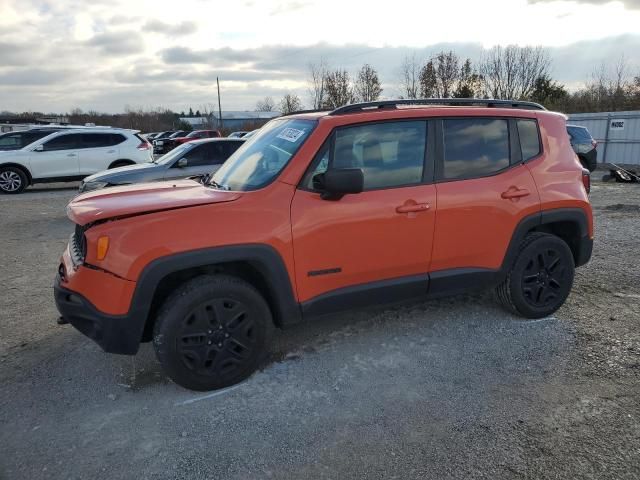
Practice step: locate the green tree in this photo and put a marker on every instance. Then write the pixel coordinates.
(469, 83)
(548, 92)
(182, 125)
(428, 81)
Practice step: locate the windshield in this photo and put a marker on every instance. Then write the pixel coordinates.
(261, 159)
(174, 154)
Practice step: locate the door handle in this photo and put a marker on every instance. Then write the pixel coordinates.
(514, 193)
(111, 151)
(71, 154)
(411, 207)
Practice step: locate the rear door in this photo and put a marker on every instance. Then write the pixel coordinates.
(484, 190)
(58, 158)
(99, 150)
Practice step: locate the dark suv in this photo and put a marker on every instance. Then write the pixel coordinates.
(584, 145)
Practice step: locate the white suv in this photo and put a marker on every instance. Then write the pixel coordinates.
(70, 155)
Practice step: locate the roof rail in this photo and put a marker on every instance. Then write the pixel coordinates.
(450, 102)
(306, 111)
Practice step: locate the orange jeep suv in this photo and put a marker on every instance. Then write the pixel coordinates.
(326, 211)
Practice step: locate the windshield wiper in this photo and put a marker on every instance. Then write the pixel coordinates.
(207, 181)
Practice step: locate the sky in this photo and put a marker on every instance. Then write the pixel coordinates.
(104, 55)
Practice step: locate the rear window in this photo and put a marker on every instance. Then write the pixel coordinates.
(474, 147)
(579, 134)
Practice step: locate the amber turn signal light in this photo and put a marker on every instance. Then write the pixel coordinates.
(103, 246)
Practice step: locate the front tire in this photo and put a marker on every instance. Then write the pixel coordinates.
(212, 332)
(13, 180)
(541, 277)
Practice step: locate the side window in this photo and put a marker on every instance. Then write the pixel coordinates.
(98, 140)
(474, 147)
(95, 140)
(116, 139)
(319, 165)
(10, 141)
(63, 142)
(529, 139)
(196, 156)
(211, 154)
(230, 148)
(390, 154)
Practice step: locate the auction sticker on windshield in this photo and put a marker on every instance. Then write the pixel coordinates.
(291, 134)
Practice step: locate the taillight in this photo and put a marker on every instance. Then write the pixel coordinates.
(586, 180)
(144, 146)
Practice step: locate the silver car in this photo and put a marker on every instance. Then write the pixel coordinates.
(199, 157)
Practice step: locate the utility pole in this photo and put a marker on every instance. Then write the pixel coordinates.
(219, 105)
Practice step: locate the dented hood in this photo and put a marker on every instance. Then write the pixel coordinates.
(129, 200)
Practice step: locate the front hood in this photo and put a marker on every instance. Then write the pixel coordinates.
(142, 198)
(115, 172)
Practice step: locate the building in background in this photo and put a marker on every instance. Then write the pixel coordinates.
(617, 134)
(231, 120)
(14, 123)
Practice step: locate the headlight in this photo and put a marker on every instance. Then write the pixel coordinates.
(159, 143)
(88, 186)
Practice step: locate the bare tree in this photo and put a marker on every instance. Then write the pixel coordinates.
(338, 88)
(367, 85)
(265, 105)
(317, 89)
(511, 72)
(410, 77)
(290, 103)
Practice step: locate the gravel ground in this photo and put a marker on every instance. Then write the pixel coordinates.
(453, 388)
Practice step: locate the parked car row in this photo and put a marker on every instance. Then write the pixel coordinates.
(166, 144)
(195, 158)
(53, 154)
(67, 155)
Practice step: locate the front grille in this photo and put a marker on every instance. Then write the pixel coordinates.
(78, 245)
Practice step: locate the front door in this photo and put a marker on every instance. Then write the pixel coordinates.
(58, 157)
(382, 234)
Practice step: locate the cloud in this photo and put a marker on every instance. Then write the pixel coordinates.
(178, 29)
(629, 4)
(118, 43)
(33, 76)
(177, 55)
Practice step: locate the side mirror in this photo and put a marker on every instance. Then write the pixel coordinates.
(182, 163)
(336, 183)
(39, 148)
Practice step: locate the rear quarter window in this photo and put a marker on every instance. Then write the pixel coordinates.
(529, 139)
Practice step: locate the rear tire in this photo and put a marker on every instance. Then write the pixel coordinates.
(13, 180)
(212, 332)
(540, 278)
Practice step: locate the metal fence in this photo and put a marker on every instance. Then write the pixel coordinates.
(617, 133)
